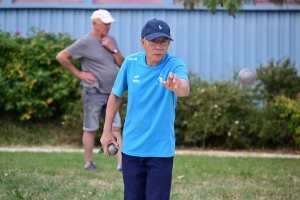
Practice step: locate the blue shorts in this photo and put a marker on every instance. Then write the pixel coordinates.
(94, 106)
(147, 178)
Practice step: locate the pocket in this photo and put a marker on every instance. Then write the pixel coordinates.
(89, 94)
(92, 90)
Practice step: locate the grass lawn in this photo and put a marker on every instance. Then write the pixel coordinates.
(32, 175)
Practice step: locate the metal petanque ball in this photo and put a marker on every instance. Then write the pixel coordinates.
(247, 76)
(112, 149)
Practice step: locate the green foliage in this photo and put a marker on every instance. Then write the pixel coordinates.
(214, 115)
(273, 133)
(190, 3)
(219, 114)
(231, 6)
(73, 118)
(228, 115)
(278, 78)
(277, 87)
(288, 111)
(33, 132)
(33, 82)
(225, 115)
(284, 2)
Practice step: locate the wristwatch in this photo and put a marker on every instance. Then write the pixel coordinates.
(115, 51)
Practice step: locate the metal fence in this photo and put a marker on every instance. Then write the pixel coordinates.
(213, 46)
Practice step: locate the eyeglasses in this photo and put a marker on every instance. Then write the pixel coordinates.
(164, 42)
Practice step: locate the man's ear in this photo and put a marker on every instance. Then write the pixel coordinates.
(142, 41)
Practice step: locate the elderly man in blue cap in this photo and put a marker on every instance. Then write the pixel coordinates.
(154, 79)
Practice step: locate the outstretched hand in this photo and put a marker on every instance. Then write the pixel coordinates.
(173, 82)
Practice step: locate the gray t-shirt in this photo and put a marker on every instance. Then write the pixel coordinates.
(95, 59)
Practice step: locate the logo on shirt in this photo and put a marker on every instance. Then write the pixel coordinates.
(132, 58)
(136, 79)
(160, 79)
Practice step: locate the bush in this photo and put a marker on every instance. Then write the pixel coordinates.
(34, 84)
(278, 86)
(278, 78)
(215, 114)
(285, 115)
(223, 115)
(218, 114)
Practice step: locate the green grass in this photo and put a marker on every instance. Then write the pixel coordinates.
(40, 132)
(27, 175)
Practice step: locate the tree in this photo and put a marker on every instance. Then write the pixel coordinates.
(232, 6)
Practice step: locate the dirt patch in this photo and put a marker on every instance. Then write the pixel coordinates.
(239, 154)
(178, 152)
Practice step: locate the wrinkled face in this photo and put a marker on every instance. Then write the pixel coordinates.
(155, 49)
(101, 28)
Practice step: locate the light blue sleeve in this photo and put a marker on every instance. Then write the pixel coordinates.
(180, 69)
(121, 85)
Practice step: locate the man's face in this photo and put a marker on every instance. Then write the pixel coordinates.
(155, 49)
(100, 27)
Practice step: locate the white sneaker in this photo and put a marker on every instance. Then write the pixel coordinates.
(119, 167)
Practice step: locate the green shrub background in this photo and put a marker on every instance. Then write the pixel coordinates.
(32, 82)
(223, 115)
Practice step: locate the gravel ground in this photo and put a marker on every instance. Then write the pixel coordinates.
(178, 152)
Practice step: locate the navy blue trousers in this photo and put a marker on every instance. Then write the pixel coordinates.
(147, 178)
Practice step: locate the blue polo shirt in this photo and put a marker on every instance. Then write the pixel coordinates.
(149, 123)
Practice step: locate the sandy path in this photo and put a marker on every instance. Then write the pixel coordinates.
(178, 152)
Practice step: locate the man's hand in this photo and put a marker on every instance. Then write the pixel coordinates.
(107, 43)
(173, 82)
(86, 76)
(181, 87)
(106, 139)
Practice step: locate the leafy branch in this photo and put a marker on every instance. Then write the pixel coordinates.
(231, 6)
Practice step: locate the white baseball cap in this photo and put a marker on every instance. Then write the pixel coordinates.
(103, 15)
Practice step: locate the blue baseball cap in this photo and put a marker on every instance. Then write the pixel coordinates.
(155, 28)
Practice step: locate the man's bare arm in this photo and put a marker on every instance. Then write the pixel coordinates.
(64, 57)
(111, 110)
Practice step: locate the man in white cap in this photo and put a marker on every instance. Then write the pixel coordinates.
(99, 56)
